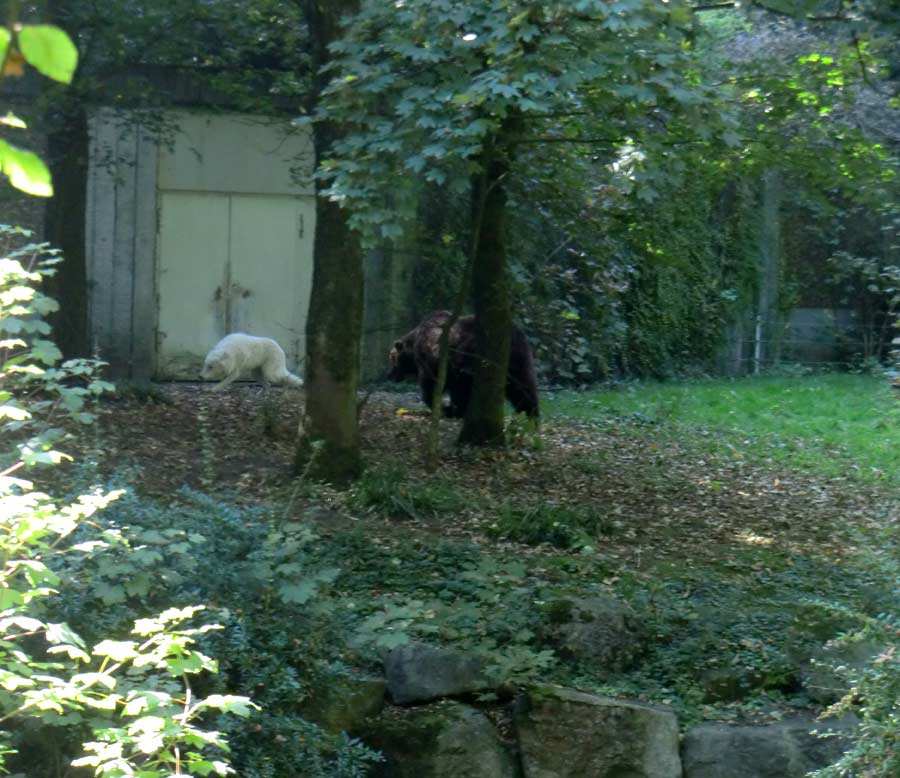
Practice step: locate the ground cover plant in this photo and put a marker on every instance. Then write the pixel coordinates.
(726, 546)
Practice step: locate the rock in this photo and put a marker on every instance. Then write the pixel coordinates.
(785, 749)
(600, 631)
(418, 672)
(441, 740)
(568, 734)
(342, 702)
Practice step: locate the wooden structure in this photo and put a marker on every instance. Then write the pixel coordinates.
(207, 233)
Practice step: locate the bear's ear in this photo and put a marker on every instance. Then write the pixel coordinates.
(398, 344)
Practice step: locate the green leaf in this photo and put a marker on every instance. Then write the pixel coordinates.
(73, 652)
(10, 598)
(240, 706)
(4, 42)
(49, 50)
(108, 593)
(298, 593)
(192, 663)
(12, 412)
(63, 633)
(25, 623)
(11, 120)
(45, 351)
(25, 170)
(87, 680)
(117, 650)
(11, 681)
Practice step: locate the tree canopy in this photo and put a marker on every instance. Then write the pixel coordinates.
(426, 85)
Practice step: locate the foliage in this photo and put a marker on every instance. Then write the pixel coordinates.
(625, 263)
(455, 72)
(614, 286)
(134, 695)
(729, 640)
(873, 690)
(486, 608)
(252, 54)
(607, 285)
(37, 392)
(283, 623)
(875, 290)
(51, 52)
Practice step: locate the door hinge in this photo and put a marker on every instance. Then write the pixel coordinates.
(300, 226)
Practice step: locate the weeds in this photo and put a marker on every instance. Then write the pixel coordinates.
(560, 526)
(391, 491)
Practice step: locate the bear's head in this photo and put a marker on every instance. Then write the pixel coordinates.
(402, 360)
(216, 366)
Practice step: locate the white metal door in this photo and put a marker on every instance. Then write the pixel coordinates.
(271, 268)
(231, 263)
(191, 267)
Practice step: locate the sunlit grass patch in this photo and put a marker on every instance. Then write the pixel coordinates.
(836, 424)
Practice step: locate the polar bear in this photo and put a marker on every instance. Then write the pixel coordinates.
(238, 352)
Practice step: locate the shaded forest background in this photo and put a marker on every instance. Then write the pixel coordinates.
(680, 248)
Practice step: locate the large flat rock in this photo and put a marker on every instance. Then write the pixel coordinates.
(568, 734)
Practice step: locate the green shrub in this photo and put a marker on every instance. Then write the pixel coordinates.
(125, 701)
(873, 689)
(272, 586)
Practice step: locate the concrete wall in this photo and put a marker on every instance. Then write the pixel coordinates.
(121, 243)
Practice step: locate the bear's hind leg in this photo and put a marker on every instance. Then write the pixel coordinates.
(426, 388)
(523, 396)
(460, 388)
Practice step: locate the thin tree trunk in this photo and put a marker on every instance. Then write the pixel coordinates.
(328, 444)
(431, 450)
(483, 422)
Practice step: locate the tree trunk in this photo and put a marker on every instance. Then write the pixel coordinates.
(65, 214)
(64, 228)
(328, 445)
(483, 423)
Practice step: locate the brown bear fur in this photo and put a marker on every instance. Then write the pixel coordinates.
(416, 354)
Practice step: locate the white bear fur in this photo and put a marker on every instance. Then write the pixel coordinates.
(240, 352)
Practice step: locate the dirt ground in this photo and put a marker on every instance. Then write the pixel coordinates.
(661, 496)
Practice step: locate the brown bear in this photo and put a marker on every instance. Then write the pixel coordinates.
(416, 354)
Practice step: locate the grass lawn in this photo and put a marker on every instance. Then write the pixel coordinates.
(835, 424)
